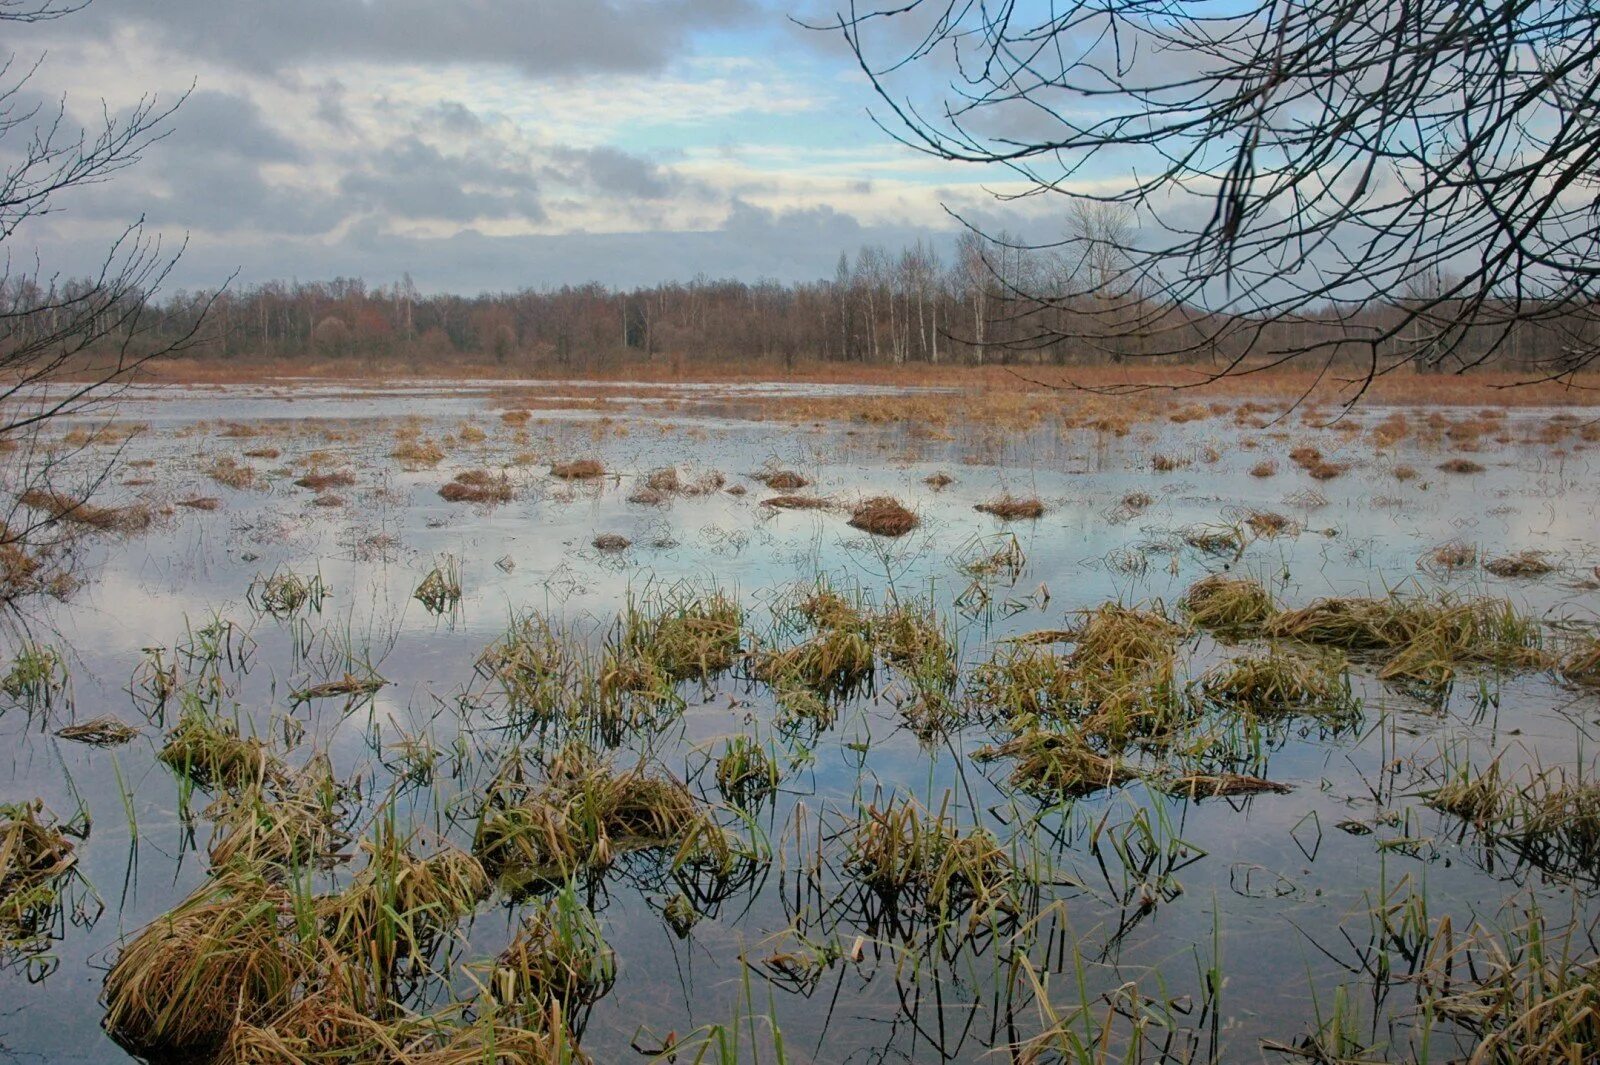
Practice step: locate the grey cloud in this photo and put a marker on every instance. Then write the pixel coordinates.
(540, 37)
(413, 179)
(614, 171)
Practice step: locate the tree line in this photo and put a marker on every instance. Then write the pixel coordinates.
(992, 301)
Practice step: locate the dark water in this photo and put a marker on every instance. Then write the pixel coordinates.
(1266, 891)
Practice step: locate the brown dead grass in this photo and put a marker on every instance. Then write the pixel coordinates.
(578, 470)
(1013, 508)
(883, 516)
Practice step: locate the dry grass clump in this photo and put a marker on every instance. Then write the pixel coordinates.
(478, 486)
(939, 481)
(795, 502)
(1269, 523)
(34, 855)
(687, 637)
(581, 814)
(835, 662)
(398, 907)
(1234, 606)
(1305, 456)
(1419, 640)
(782, 480)
(1057, 764)
(1460, 465)
(1326, 471)
(1264, 468)
(206, 503)
(227, 470)
(103, 731)
(1277, 684)
(220, 958)
(1214, 539)
(517, 417)
(418, 452)
(321, 482)
(1008, 507)
(440, 590)
(914, 857)
(1163, 463)
(1405, 473)
(611, 543)
(578, 470)
(1582, 663)
(263, 453)
(746, 772)
(1521, 564)
(883, 516)
(647, 497)
(209, 750)
(1450, 557)
(61, 507)
(557, 960)
(348, 686)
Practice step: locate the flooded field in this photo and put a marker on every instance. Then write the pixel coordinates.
(489, 722)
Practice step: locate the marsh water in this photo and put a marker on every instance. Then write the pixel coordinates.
(1241, 921)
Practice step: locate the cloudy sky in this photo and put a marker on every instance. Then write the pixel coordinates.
(489, 144)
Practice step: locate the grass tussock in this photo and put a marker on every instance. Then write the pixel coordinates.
(558, 960)
(686, 636)
(231, 473)
(611, 543)
(1460, 465)
(746, 772)
(208, 750)
(440, 590)
(1420, 640)
(1232, 606)
(1278, 684)
(321, 482)
(914, 857)
(418, 452)
(103, 731)
(1058, 765)
(883, 516)
(578, 470)
(1522, 564)
(581, 813)
(798, 502)
(35, 855)
(1008, 507)
(478, 486)
(60, 507)
(780, 480)
(37, 678)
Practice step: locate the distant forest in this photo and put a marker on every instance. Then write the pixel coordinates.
(881, 306)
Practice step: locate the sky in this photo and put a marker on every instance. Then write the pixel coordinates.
(488, 145)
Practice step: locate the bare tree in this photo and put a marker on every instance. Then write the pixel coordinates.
(67, 346)
(1292, 166)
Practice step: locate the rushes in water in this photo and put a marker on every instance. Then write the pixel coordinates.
(836, 662)
(35, 854)
(1530, 995)
(911, 856)
(1229, 606)
(400, 905)
(557, 960)
(217, 959)
(746, 772)
(912, 640)
(284, 594)
(1521, 564)
(582, 814)
(1278, 684)
(477, 486)
(687, 637)
(1420, 640)
(578, 470)
(1551, 821)
(440, 590)
(883, 516)
(37, 679)
(534, 666)
(1008, 507)
(1058, 765)
(209, 751)
(104, 731)
(1582, 663)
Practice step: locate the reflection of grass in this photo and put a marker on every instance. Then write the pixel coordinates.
(35, 855)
